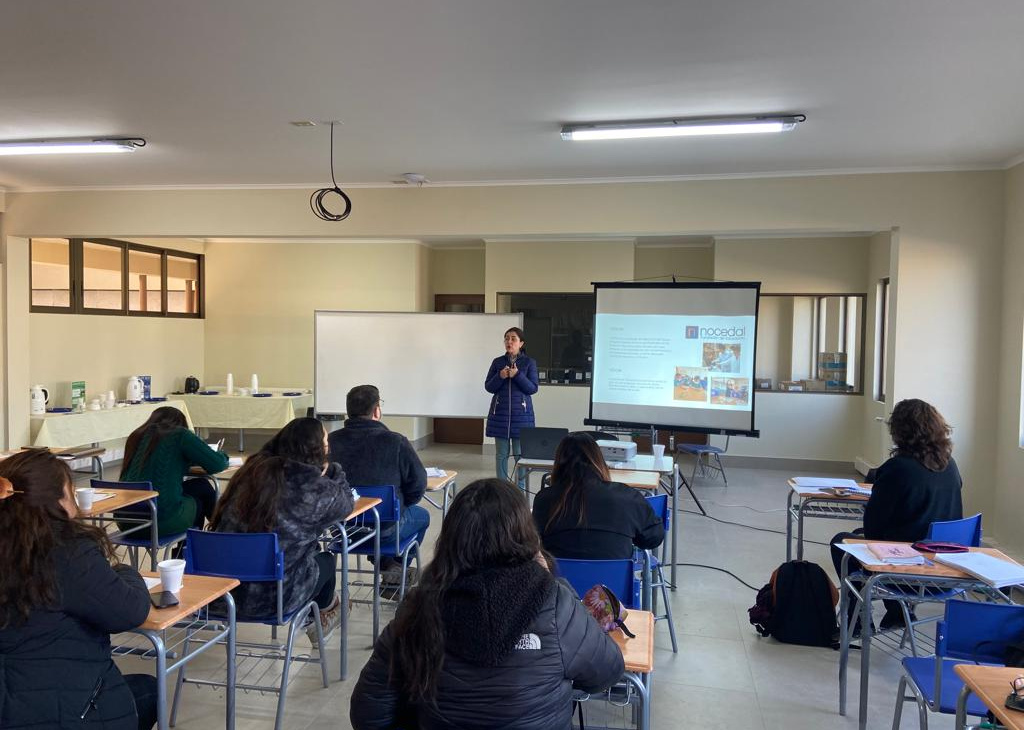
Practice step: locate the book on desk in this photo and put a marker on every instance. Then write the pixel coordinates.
(988, 568)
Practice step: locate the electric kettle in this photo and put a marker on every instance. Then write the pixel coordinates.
(40, 396)
(135, 389)
(191, 384)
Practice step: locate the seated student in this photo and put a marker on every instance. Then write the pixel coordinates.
(61, 598)
(374, 456)
(289, 487)
(488, 638)
(918, 485)
(584, 515)
(161, 451)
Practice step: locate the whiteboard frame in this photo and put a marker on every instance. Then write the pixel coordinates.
(317, 412)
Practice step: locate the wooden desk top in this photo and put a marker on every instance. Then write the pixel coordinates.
(121, 498)
(992, 685)
(637, 479)
(937, 570)
(363, 504)
(827, 495)
(435, 483)
(638, 653)
(196, 591)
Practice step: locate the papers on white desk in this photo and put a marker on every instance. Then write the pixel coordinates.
(860, 551)
(235, 461)
(988, 568)
(433, 471)
(151, 583)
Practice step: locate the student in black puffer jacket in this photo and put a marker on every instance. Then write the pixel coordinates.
(488, 638)
(60, 600)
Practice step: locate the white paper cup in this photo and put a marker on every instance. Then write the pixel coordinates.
(658, 450)
(85, 496)
(172, 573)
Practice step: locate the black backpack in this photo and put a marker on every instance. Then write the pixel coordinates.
(797, 605)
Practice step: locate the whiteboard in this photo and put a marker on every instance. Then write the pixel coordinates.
(424, 363)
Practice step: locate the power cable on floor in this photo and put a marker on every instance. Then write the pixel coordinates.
(720, 570)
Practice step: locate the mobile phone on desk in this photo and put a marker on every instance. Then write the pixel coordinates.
(163, 599)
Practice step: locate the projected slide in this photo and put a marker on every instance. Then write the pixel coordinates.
(674, 360)
(675, 355)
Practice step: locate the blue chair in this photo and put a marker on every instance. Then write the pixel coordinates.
(963, 532)
(253, 558)
(659, 503)
(703, 454)
(970, 632)
(389, 511)
(131, 538)
(619, 575)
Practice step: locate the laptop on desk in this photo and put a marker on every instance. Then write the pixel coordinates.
(540, 443)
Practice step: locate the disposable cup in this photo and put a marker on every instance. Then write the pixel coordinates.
(85, 496)
(172, 572)
(658, 450)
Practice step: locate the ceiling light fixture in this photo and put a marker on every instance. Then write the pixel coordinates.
(71, 146)
(682, 127)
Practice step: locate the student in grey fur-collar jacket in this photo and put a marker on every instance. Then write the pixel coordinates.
(290, 488)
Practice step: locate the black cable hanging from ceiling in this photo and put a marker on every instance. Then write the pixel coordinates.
(316, 200)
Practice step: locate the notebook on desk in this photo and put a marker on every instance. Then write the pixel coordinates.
(996, 572)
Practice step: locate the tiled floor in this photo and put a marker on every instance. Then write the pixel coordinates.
(725, 675)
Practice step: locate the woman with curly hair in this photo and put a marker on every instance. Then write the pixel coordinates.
(918, 485)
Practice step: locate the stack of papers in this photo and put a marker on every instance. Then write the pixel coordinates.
(996, 572)
(235, 461)
(433, 471)
(815, 485)
(896, 554)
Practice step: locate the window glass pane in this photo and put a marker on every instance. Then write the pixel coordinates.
(145, 282)
(182, 285)
(559, 333)
(101, 276)
(51, 272)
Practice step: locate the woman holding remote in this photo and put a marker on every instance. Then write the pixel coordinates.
(511, 380)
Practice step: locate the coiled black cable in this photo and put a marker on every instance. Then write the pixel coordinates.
(316, 200)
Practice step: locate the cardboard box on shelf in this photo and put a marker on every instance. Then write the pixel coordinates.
(791, 386)
(763, 383)
(817, 386)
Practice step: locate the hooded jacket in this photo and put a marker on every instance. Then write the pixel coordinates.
(516, 641)
(511, 402)
(307, 506)
(56, 667)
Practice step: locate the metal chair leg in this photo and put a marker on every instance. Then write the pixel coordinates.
(901, 697)
(179, 681)
(283, 693)
(668, 610)
(718, 460)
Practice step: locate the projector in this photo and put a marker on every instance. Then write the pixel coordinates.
(617, 450)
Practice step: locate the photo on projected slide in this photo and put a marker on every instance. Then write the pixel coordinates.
(730, 391)
(690, 384)
(722, 358)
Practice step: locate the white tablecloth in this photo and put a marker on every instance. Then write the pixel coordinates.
(240, 411)
(64, 430)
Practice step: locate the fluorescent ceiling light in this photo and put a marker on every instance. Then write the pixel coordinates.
(70, 146)
(694, 127)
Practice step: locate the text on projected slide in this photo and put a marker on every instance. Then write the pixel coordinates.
(674, 360)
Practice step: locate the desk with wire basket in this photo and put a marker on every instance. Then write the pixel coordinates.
(126, 498)
(172, 631)
(818, 504)
(991, 685)
(341, 541)
(437, 484)
(888, 581)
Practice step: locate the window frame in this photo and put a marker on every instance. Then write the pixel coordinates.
(881, 339)
(76, 263)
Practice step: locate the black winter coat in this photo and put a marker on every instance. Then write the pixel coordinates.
(615, 518)
(51, 665)
(516, 641)
(907, 497)
(374, 456)
(309, 504)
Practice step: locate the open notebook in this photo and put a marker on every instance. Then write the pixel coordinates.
(997, 572)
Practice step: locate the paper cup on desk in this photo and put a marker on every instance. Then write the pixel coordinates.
(85, 496)
(658, 450)
(172, 573)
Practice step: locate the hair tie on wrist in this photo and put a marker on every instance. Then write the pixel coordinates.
(7, 488)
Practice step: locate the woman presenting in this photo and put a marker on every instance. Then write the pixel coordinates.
(511, 379)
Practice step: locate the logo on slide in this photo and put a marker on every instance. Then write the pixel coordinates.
(692, 332)
(718, 333)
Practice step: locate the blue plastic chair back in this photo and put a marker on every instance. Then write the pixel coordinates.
(252, 557)
(963, 532)
(618, 575)
(102, 484)
(390, 508)
(659, 503)
(977, 631)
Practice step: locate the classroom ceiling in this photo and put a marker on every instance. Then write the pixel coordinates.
(475, 91)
